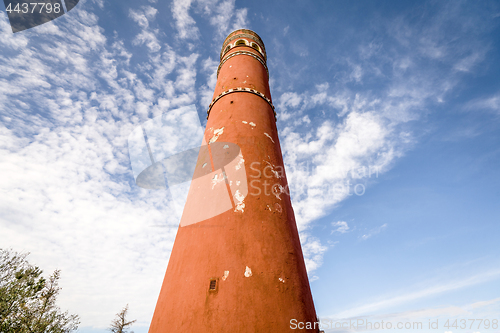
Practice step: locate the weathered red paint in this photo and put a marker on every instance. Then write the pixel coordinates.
(262, 237)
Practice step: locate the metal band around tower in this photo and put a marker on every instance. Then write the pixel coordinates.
(240, 89)
(253, 55)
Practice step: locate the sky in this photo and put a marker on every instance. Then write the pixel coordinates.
(388, 115)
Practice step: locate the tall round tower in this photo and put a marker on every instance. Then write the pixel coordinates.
(237, 264)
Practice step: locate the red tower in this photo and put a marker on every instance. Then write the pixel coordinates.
(237, 264)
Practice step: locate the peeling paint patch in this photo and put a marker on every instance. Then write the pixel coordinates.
(277, 190)
(226, 274)
(269, 137)
(218, 132)
(249, 123)
(268, 207)
(248, 272)
(226, 147)
(278, 208)
(238, 183)
(276, 173)
(218, 178)
(238, 200)
(240, 164)
(281, 280)
(204, 165)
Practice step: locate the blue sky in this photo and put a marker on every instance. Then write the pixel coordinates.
(410, 91)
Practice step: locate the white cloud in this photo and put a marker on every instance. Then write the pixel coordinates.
(356, 134)
(357, 73)
(489, 103)
(9, 39)
(341, 227)
(390, 301)
(416, 319)
(187, 75)
(219, 13)
(66, 194)
(185, 24)
(62, 203)
(100, 3)
(374, 232)
(223, 10)
(289, 99)
(467, 63)
(330, 163)
(338, 155)
(209, 66)
(241, 20)
(313, 252)
(143, 17)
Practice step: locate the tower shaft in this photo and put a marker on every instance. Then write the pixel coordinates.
(237, 264)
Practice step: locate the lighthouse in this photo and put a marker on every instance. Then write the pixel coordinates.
(237, 263)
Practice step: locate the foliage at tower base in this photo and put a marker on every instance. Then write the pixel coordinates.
(28, 300)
